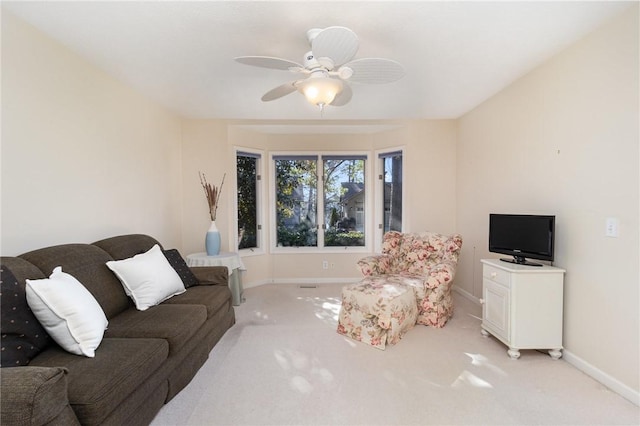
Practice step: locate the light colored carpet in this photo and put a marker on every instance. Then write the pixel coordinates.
(284, 364)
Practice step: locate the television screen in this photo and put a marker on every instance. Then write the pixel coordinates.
(522, 236)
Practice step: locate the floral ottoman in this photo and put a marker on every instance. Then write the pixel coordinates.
(377, 312)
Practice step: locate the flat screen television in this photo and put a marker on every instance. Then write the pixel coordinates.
(522, 236)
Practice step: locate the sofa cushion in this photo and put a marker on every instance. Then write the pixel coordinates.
(147, 278)
(97, 385)
(212, 297)
(175, 323)
(68, 311)
(414, 256)
(438, 244)
(87, 263)
(126, 246)
(23, 337)
(391, 243)
(180, 266)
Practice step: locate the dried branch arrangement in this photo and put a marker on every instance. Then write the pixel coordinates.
(212, 193)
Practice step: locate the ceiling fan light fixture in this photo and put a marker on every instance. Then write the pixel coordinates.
(321, 90)
(328, 68)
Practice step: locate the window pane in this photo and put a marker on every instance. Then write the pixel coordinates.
(392, 166)
(344, 196)
(246, 169)
(296, 205)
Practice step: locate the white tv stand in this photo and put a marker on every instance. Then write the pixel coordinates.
(522, 306)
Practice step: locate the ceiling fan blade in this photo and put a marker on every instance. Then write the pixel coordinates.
(344, 96)
(280, 91)
(268, 62)
(375, 70)
(340, 44)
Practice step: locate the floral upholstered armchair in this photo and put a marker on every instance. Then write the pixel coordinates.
(423, 261)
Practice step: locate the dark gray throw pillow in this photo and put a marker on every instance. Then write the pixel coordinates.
(178, 263)
(22, 335)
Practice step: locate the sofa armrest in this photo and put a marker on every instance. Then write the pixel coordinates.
(441, 274)
(35, 396)
(211, 275)
(375, 265)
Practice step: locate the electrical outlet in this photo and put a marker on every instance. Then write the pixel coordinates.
(611, 229)
(325, 264)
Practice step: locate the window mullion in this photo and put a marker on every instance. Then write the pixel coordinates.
(320, 201)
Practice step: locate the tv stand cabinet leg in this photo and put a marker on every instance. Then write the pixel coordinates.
(514, 353)
(555, 354)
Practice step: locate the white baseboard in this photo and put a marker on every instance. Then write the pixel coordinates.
(246, 285)
(466, 295)
(301, 281)
(460, 291)
(612, 383)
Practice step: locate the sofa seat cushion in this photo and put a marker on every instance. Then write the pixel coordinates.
(174, 323)
(414, 282)
(98, 385)
(417, 282)
(213, 297)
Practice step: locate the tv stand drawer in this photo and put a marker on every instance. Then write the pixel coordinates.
(494, 274)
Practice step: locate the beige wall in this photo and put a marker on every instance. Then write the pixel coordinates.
(563, 140)
(204, 149)
(430, 169)
(209, 146)
(83, 156)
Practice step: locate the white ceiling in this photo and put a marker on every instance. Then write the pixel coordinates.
(457, 54)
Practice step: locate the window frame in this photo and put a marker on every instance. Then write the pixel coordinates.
(359, 157)
(379, 194)
(320, 195)
(260, 204)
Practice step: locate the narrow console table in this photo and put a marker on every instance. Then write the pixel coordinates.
(522, 306)
(234, 265)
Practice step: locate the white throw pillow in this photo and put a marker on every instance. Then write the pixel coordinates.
(68, 311)
(147, 278)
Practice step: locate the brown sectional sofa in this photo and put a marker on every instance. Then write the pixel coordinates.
(145, 358)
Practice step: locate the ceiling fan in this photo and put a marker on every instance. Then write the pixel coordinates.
(328, 68)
